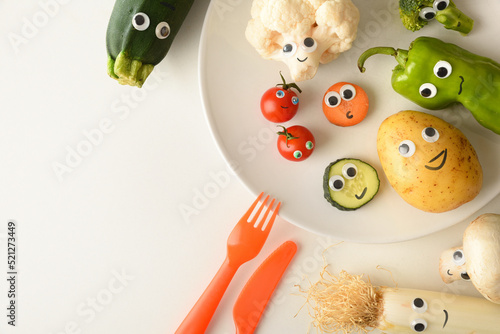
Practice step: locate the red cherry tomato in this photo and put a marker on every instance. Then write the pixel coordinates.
(280, 104)
(296, 143)
(345, 104)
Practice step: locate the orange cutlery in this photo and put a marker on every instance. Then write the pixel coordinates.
(243, 244)
(256, 294)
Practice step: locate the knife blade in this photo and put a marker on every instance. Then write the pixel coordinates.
(256, 293)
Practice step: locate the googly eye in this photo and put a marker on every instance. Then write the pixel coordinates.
(465, 276)
(427, 13)
(297, 154)
(289, 49)
(349, 171)
(280, 94)
(332, 99)
(140, 21)
(442, 69)
(430, 134)
(309, 145)
(459, 257)
(428, 90)
(336, 183)
(407, 148)
(440, 4)
(419, 325)
(419, 305)
(162, 30)
(309, 45)
(348, 92)
(295, 100)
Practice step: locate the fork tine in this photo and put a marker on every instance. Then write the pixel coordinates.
(273, 217)
(263, 220)
(252, 207)
(259, 210)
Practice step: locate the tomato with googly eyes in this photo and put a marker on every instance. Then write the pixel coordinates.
(345, 104)
(296, 143)
(280, 104)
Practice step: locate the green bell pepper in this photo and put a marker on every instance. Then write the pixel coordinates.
(435, 74)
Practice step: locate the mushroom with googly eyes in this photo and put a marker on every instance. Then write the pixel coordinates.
(478, 259)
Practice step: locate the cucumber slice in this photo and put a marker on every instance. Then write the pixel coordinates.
(348, 184)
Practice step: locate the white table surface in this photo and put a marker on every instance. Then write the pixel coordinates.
(129, 234)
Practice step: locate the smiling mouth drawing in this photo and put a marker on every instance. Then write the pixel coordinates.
(446, 317)
(302, 60)
(443, 153)
(461, 83)
(362, 194)
(349, 115)
(448, 272)
(284, 107)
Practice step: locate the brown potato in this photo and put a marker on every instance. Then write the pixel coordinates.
(429, 162)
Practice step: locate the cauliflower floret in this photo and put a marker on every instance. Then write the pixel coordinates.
(302, 33)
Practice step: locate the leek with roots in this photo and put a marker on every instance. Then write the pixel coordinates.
(347, 304)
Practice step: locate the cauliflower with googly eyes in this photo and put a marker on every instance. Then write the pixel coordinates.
(302, 33)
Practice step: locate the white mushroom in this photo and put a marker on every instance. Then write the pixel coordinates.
(478, 259)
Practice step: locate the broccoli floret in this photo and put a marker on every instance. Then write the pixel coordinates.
(409, 11)
(416, 13)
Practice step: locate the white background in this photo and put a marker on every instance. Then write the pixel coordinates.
(127, 238)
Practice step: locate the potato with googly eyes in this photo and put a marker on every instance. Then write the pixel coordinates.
(429, 162)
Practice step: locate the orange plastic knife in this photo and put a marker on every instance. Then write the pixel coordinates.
(255, 296)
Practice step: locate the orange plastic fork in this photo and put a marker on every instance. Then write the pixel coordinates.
(243, 244)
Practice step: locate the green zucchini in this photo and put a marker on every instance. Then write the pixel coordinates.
(348, 184)
(139, 35)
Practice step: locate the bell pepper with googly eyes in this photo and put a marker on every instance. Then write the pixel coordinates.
(415, 14)
(435, 75)
(345, 104)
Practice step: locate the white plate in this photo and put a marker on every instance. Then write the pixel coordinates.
(233, 78)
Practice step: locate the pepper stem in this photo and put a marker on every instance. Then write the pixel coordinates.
(400, 55)
(288, 135)
(286, 85)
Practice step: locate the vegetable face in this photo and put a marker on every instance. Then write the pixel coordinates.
(345, 104)
(395, 310)
(429, 162)
(296, 143)
(301, 33)
(348, 184)
(434, 74)
(415, 14)
(410, 311)
(280, 104)
(139, 35)
(478, 260)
